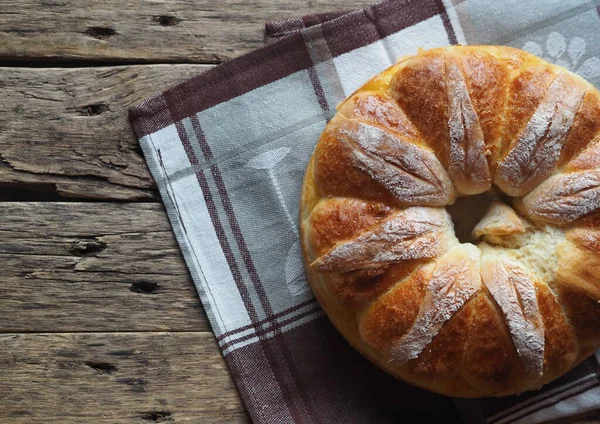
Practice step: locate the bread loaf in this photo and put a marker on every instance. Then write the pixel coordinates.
(449, 220)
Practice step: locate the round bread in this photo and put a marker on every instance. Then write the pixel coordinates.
(449, 220)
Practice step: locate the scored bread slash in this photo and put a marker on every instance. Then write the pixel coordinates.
(411, 173)
(468, 164)
(413, 233)
(454, 281)
(514, 292)
(377, 108)
(563, 198)
(537, 149)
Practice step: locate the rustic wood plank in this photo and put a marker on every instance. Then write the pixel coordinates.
(199, 31)
(93, 267)
(65, 132)
(115, 378)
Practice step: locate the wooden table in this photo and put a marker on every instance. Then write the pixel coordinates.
(99, 320)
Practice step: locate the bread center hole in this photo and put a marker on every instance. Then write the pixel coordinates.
(466, 212)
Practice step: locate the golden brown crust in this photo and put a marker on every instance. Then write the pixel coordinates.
(564, 198)
(513, 290)
(454, 281)
(583, 311)
(561, 344)
(357, 288)
(335, 175)
(420, 90)
(491, 364)
(506, 316)
(579, 260)
(376, 107)
(337, 219)
(534, 154)
(588, 158)
(391, 316)
(410, 234)
(487, 77)
(410, 173)
(443, 357)
(468, 166)
(523, 95)
(586, 126)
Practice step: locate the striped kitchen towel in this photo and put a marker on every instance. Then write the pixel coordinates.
(228, 149)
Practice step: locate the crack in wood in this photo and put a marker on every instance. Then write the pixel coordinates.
(63, 187)
(156, 416)
(144, 287)
(102, 367)
(26, 192)
(33, 96)
(80, 267)
(165, 20)
(87, 247)
(93, 109)
(100, 33)
(64, 150)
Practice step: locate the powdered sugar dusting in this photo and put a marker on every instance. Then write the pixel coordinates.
(564, 198)
(454, 281)
(468, 165)
(413, 233)
(412, 174)
(514, 292)
(538, 146)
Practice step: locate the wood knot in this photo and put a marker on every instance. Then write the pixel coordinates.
(144, 287)
(100, 33)
(102, 367)
(86, 247)
(156, 416)
(93, 109)
(165, 20)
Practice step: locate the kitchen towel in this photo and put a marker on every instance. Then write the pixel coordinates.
(228, 149)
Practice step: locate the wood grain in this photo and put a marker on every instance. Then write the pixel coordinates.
(93, 267)
(199, 31)
(115, 378)
(65, 132)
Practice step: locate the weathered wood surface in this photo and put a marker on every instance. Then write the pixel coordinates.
(115, 378)
(93, 267)
(199, 31)
(65, 132)
(85, 287)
